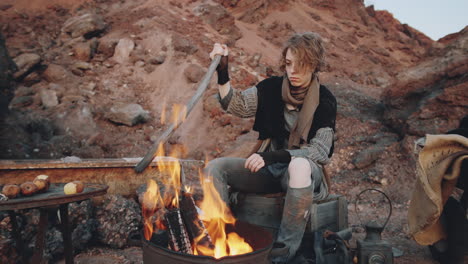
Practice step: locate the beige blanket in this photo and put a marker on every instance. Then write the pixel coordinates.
(438, 169)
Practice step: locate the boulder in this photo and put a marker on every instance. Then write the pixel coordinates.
(25, 63)
(117, 219)
(183, 44)
(127, 114)
(86, 25)
(220, 19)
(194, 73)
(122, 50)
(431, 96)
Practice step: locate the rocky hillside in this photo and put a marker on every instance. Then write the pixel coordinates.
(100, 78)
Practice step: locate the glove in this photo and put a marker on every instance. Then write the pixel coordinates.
(222, 70)
(281, 156)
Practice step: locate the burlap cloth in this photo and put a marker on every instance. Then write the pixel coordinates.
(438, 169)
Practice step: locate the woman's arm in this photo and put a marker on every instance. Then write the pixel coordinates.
(239, 103)
(318, 148)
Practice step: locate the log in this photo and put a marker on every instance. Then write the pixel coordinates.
(178, 237)
(195, 226)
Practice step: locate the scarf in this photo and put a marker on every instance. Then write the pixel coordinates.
(309, 99)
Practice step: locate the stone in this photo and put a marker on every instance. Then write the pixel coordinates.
(23, 91)
(194, 73)
(127, 114)
(48, 98)
(122, 50)
(55, 73)
(86, 25)
(25, 62)
(183, 44)
(368, 156)
(159, 58)
(106, 46)
(20, 102)
(220, 19)
(117, 219)
(82, 51)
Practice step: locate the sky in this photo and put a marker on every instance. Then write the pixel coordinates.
(434, 18)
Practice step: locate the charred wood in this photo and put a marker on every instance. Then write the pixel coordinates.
(195, 226)
(178, 236)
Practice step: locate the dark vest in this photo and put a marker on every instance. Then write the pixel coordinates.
(269, 119)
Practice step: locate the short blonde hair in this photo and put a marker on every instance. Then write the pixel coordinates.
(308, 49)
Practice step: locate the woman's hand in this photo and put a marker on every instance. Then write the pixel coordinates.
(222, 69)
(254, 163)
(219, 49)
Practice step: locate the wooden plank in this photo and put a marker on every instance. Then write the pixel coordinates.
(118, 174)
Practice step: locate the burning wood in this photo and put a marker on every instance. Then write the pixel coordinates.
(178, 236)
(172, 214)
(195, 227)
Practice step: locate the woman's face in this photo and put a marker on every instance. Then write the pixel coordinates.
(297, 77)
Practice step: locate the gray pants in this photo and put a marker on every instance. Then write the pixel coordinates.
(270, 179)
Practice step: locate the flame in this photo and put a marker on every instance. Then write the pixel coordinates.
(179, 112)
(152, 202)
(215, 215)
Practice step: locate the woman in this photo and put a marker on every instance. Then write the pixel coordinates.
(295, 118)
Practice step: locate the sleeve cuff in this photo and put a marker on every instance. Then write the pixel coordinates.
(226, 100)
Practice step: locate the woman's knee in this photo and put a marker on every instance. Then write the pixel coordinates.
(215, 167)
(299, 173)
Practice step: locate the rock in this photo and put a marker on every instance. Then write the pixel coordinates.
(122, 50)
(194, 73)
(55, 73)
(127, 114)
(368, 156)
(48, 98)
(431, 96)
(82, 51)
(8, 253)
(63, 144)
(159, 58)
(25, 63)
(81, 65)
(106, 47)
(82, 223)
(42, 126)
(220, 19)
(20, 102)
(86, 25)
(83, 233)
(183, 44)
(23, 91)
(31, 79)
(117, 219)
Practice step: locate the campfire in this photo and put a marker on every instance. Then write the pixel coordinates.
(172, 219)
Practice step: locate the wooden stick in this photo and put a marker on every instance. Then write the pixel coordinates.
(141, 166)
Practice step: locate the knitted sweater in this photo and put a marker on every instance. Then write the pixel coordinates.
(273, 120)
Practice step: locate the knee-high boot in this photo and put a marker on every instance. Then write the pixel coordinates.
(296, 213)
